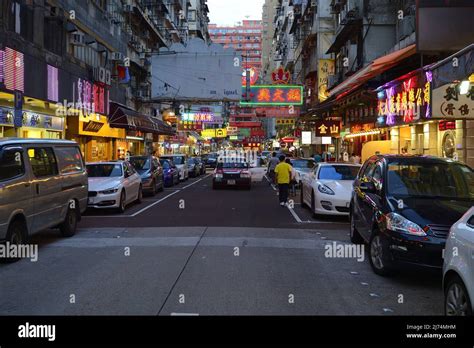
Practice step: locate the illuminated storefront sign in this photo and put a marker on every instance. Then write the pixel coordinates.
(2, 66)
(214, 133)
(35, 120)
(326, 67)
(6, 117)
(281, 76)
(327, 128)
(449, 103)
(14, 70)
(273, 95)
(285, 122)
(198, 116)
(405, 101)
(53, 84)
(253, 76)
(91, 98)
(272, 111)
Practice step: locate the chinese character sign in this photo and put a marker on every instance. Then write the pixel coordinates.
(406, 101)
(328, 128)
(326, 68)
(448, 102)
(273, 95)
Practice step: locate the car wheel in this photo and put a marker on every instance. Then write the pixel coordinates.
(355, 236)
(140, 194)
(456, 299)
(379, 255)
(17, 234)
(68, 227)
(122, 204)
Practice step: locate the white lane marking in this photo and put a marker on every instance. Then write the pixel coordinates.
(185, 314)
(197, 181)
(153, 204)
(297, 218)
(133, 215)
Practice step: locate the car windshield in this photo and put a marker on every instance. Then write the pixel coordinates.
(140, 163)
(232, 165)
(303, 164)
(431, 180)
(338, 172)
(104, 170)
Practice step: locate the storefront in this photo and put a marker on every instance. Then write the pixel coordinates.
(97, 140)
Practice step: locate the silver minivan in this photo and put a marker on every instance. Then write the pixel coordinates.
(43, 184)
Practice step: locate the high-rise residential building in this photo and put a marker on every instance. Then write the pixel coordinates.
(246, 38)
(269, 64)
(198, 19)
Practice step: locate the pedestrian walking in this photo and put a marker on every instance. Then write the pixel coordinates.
(292, 188)
(272, 163)
(283, 178)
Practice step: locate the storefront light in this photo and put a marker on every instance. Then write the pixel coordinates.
(464, 87)
(361, 134)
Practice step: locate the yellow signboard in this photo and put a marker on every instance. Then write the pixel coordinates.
(325, 68)
(214, 133)
(285, 122)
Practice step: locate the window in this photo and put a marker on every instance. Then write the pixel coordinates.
(70, 160)
(43, 162)
(104, 170)
(11, 164)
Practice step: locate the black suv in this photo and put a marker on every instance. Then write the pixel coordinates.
(403, 207)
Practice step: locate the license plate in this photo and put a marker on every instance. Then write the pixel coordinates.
(231, 182)
(90, 201)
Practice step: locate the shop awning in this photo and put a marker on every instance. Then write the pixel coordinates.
(377, 67)
(444, 72)
(123, 117)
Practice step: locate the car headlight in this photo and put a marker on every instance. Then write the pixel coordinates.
(397, 223)
(109, 191)
(326, 190)
(219, 176)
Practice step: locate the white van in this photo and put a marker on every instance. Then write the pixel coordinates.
(43, 184)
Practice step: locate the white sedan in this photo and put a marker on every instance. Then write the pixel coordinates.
(327, 189)
(113, 185)
(458, 267)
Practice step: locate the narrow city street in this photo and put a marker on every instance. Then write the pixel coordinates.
(192, 250)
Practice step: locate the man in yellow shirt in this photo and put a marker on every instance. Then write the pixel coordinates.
(283, 178)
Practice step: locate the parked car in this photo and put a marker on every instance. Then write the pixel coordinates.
(170, 173)
(231, 172)
(180, 161)
(302, 166)
(113, 185)
(150, 170)
(327, 189)
(194, 169)
(458, 268)
(43, 184)
(403, 206)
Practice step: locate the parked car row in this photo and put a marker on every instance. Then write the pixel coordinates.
(410, 211)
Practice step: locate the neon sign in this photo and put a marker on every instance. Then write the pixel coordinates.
(273, 95)
(407, 100)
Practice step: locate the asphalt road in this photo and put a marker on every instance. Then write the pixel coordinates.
(195, 251)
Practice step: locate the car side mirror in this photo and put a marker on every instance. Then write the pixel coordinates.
(368, 187)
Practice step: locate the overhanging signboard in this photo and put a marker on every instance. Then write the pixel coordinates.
(272, 95)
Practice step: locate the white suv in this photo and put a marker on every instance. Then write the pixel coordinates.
(458, 268)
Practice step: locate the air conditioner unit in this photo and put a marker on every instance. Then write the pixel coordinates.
(77, 39)
(117, 56)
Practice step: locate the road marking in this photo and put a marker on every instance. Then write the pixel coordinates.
(297, 218)
(197, 181)
(185, 314)
(153, 204)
